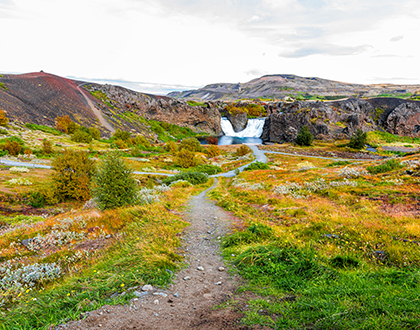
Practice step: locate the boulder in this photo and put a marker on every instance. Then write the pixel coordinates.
(238, 121)
(404, 120)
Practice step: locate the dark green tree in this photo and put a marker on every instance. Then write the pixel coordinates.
(358, 140)
(304, 137)
(114, 184)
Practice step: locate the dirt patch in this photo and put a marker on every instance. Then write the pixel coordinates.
(188, 302)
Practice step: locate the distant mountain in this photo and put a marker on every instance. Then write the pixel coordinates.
(282, 85)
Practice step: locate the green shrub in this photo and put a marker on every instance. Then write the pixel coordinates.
(95, 133)
(36, 199)
(186, 159)
(339, 163)
(114, 184)
(389, 165)
(243, 150)
(213, 151)
(304, 137)
(47, 147)
(191, 177)
(121, 135)
(191, 144)
(257, 166)
(171, 147)
(208, 169)
(81, 136)
(72, 175)
(140, 140)
(358, 140)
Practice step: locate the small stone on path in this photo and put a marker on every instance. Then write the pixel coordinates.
(218, 283)
(147, 287)
(200, 268)
(187, 278)
(221, 269)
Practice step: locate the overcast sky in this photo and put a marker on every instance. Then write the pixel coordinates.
(163, 45)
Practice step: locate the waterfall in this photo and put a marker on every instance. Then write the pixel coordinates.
(254, 128)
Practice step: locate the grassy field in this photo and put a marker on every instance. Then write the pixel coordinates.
(327, 247)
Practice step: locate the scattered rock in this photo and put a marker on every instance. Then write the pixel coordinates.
(187, 278)
(108, 236)
(147, 287)
(218, 283)
(221, 269)
(160, 294)
(26, 242)
(140, 294)
(156, 302)
(176, 295)
(200, 268)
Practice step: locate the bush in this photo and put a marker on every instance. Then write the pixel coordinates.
(140, 140)
(257, 166)
(191, 144)
(186, 159)
(46, 147)
(62, 123)
(191, 177)
(208, 169)
(243, 150)
(3, 119)
(114, 184)
(72, 175)
(13, 147)
(81, 136)
(212, 140)
(95, 133)
(213, 151)
(121, 135)
(389, 165)
(171, 147)
(304, 137)
(358, 140)
(121, 144)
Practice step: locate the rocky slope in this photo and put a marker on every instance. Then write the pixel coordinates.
(41, 97)
(339, 119)
(279, 86)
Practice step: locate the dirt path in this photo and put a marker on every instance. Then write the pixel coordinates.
(97, 112)
(188, 302)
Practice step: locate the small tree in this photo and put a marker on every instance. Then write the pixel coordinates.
(62, 123)
(191, 144)
(114, 184)
(72, 175)
(358, 140)
(95, 132)
(187, 159)
(171, 147)
(213, 151)
(13, 147)
(47, 147)
(304, 137)
(3, 119)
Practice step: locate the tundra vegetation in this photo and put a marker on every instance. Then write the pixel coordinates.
(323, 243)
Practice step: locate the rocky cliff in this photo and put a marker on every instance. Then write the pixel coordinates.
(279, 86)
(339, 119)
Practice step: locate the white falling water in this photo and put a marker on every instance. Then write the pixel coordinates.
(254, 128)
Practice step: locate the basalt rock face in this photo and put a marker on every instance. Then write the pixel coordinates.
(340, 119)
(238, 121)
(161, 108)
(404, 120)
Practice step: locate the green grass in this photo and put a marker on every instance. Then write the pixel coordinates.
(43, 128)
(388, 166)
(378, 137)
(196, 103)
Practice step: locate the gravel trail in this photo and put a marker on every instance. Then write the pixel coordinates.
(187, 303)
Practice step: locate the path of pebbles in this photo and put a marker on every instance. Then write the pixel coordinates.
(188, 302)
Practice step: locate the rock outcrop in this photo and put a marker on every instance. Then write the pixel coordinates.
(339, 119)
(238, 121)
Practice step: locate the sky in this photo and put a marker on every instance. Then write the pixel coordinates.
(158, 46)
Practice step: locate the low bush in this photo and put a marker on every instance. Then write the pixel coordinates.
(192, 177)
(3, 119)
(140, 140)
(243, 150)
(191, 144)
(95, 133)
(186, 159)
(72, 175)
(47, 147)
(212, 140)
(389, 165)
(12, 147)
(208, 169)
(81, 136)
(257, 166)
(122, 135)
(171, 147)
(213, 151)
